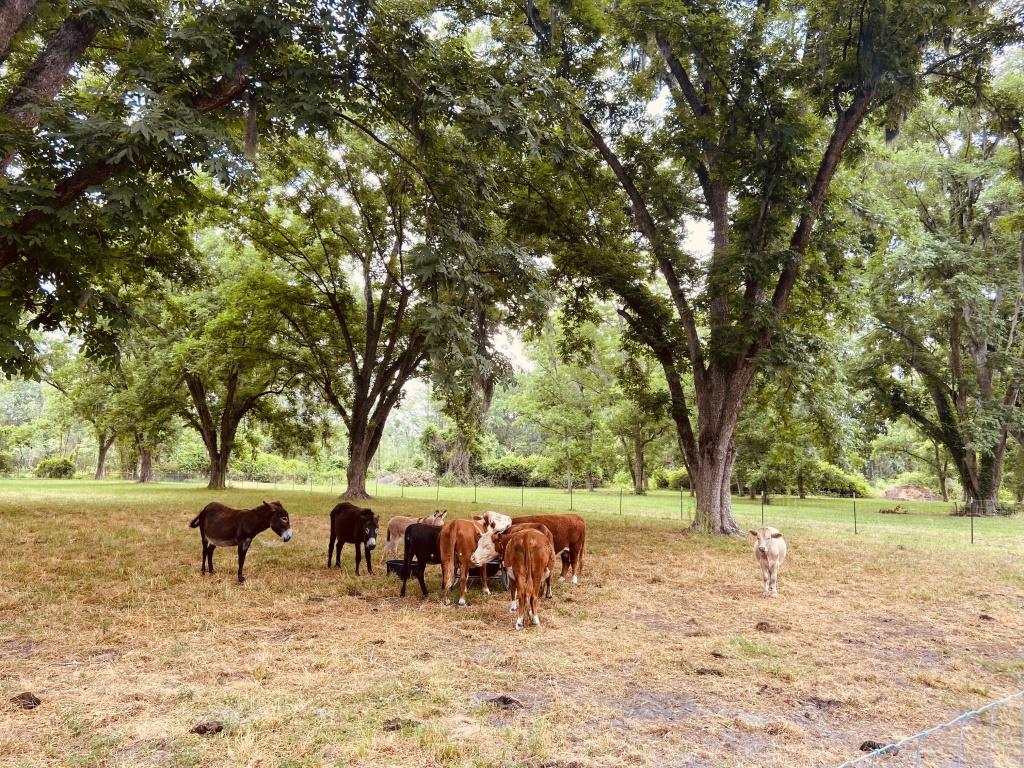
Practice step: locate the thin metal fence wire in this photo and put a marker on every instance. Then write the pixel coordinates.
(991, 736)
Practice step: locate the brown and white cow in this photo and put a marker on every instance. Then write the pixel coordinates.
(570, 536)
(492, 545)
(529, 560)
(398, 524)
(457, 543)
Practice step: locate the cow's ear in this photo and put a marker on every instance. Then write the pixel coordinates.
(753, 533)
(267, 503)
(776, 535)
(478, 518)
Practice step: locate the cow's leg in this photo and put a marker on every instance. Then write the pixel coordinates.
(206, 544)
(243, 549)
(565, 565)
(577, 566)
(337, 553)
(534, 594)
(766, 579)
(775, 580)
(521, 604)
(209, 557)
(464, 565)
(514, 605)
(330, 549)
(421, 569)
(483, 579)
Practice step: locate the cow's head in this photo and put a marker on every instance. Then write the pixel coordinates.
(763, 537)
(486, 549)
(495, 522)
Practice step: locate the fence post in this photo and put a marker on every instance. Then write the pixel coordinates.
(403, 490)
(474, 490)
(570, 495)
(438, 488)
(972, 527)
(762, 509)
(522, 494)
(680, 502)
(854, 513)
(620, 502)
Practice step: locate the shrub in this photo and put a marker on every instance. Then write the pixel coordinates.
(660, 478)
(832, 479)
(678, 479)
(190, 458)
(7, 463)
(56, 467)
(622, 479)
(508, 470)
(270, 468)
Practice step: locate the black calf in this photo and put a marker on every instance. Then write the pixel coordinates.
(421, 542)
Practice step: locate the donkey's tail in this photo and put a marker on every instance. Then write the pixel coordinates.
(195, 522)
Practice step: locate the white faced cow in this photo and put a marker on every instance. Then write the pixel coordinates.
(770, 553)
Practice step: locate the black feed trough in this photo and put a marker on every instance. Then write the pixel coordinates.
(494, 569)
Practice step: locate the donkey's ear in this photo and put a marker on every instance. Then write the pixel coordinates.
(776, 535)
(753, 533)
(267, 503)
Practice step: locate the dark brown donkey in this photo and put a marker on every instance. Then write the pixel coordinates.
(222, 526)
(353, 525)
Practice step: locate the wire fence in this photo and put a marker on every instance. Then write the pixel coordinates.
(887, 519)
(991, 736)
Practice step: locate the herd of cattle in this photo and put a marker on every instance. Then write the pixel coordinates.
(527, 547)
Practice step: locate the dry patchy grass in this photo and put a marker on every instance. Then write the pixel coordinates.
(654, 659)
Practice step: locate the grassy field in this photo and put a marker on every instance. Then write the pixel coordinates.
(665, 654)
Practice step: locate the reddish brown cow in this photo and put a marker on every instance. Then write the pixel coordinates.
(570, 535)
(492, 545)
(457, 543)
(529, 560)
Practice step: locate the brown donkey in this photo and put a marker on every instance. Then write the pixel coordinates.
(223, 526)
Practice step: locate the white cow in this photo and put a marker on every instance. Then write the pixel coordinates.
(770, 553)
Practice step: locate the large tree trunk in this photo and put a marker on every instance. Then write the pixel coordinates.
(358, 464)
(218, 472)
(103, 444)
(981, 477)
(720, 398)
(458, 463)
(145, 464)
(712, 481)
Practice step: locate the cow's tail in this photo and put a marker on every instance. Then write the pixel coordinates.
(197, 520)
(448, 558)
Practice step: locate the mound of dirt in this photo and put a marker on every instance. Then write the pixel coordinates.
(910, 493)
